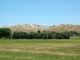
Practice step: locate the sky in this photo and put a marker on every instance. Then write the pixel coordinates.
(42, 12)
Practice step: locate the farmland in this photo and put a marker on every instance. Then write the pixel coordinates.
(42, 49)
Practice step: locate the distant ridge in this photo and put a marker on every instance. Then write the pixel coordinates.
(35, 27)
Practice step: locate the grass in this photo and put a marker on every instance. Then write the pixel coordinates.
(40, 49)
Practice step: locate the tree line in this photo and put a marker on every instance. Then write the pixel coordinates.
(40, 35)
(7, 34)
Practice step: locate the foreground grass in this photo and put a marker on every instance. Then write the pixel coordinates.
(40, 49)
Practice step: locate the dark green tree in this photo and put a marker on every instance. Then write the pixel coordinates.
(6, 33)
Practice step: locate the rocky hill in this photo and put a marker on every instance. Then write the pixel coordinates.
(35, 27)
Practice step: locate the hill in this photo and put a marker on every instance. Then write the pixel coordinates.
(35, 27)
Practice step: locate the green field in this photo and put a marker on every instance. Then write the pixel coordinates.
(40, 49)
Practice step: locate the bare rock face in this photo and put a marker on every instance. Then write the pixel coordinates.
(35, 27)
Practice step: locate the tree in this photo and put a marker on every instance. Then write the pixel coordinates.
(5, 32)
(39, 31)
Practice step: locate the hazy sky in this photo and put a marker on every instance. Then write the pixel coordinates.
(43, 12)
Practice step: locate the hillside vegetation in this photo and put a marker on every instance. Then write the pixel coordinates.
(33, 31)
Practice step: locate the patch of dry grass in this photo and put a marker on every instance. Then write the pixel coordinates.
(59, 49)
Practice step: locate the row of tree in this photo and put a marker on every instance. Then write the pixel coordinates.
(7, 33)
(40, 35)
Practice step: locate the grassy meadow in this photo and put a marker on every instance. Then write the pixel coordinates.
(40, 49)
